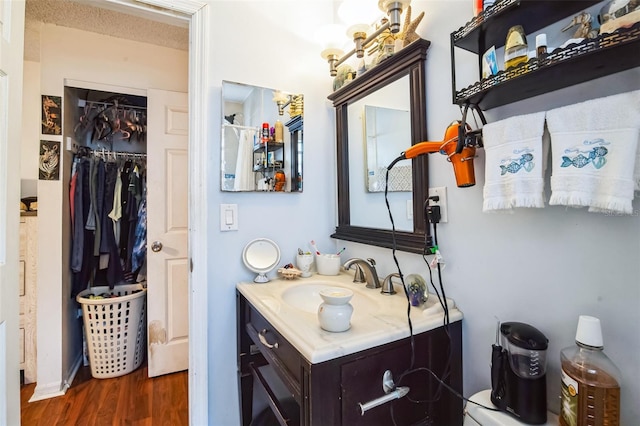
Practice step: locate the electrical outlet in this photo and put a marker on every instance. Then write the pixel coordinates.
(441, 192)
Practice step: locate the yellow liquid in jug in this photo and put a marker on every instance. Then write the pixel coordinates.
(593, 403)
(515, 47)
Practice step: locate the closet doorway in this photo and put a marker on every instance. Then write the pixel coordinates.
(155, 126)
(195, 15)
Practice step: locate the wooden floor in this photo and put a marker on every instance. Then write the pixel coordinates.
(132, 399)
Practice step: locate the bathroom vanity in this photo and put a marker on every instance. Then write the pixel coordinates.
(329, 374)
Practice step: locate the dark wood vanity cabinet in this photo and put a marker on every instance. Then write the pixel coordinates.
(328, 393)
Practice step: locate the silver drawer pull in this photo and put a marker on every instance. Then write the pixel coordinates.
(263, 340)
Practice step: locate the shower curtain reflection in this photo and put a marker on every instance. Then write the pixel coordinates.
(244, 179)
(237, 152)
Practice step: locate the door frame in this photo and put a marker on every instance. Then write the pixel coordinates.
(197, 13)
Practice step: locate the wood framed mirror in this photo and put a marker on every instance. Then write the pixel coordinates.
(398, 82)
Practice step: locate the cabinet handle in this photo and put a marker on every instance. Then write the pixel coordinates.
(263, 340)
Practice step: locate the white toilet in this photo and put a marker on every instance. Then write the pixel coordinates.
(478, 416)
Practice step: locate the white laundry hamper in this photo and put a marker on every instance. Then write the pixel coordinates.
(115, 329)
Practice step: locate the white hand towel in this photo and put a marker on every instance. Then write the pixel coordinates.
(594, 146)
(515, 163)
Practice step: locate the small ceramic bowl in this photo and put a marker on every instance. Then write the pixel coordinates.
(336, 295)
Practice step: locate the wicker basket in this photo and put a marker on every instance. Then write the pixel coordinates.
(115, 329)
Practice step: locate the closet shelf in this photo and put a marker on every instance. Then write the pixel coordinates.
(577, 63)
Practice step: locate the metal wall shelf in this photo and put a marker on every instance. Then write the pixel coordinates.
(490, 27)
(577, 63)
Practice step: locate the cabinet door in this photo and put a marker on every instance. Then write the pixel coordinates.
(362, 382)
(427, 403)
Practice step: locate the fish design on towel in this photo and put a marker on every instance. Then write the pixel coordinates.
(525, 162)
(595, 156)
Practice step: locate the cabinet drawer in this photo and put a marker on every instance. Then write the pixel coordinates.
(283, 357)
(21, 345)
(23, 239)
(21, 287)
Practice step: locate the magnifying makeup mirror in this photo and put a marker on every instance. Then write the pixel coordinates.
(261, 256)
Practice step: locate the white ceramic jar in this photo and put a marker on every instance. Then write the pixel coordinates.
(334, 314)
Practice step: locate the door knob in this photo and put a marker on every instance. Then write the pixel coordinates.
(156, 246)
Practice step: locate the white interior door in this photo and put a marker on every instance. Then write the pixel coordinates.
(167, 228)
(11, 48)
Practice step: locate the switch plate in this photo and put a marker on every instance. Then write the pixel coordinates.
(228, 217)
(440, 191)
(409, 209)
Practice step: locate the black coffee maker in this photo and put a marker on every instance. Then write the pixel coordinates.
(518, 372)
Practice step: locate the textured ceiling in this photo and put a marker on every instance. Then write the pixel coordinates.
(84, 15)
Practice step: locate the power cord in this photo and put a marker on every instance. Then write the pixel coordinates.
(433, 216)
(443, 303)
(395, 259)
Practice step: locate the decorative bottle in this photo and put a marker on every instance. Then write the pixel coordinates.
(541, 46)
(279, 136)
(590, 381)
(515, 47)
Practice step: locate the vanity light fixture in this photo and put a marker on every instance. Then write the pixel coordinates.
(281, 100)
(358, 32)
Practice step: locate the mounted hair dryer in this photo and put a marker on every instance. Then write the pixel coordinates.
(459, 145)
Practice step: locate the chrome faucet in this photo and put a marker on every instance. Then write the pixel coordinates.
(365, 272)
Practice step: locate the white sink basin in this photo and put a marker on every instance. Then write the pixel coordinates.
(306, 297)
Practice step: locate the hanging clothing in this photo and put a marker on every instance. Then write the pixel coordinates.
(116, 212)
(105, 197)
(139, 252)
(124, 219)
(81, 178)
(72, 189)
(82, 258)
(108, 245)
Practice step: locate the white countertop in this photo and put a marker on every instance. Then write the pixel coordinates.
(377, 319)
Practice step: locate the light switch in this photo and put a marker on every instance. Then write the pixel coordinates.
(228, 217)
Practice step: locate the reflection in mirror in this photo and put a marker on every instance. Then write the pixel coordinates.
(387, 133)
(262, 139)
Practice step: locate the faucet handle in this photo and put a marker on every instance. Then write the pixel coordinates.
(371, 261)
(387, 285)
(358, 276)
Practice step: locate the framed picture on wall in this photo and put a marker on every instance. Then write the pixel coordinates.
(51, 115)
(49, 163)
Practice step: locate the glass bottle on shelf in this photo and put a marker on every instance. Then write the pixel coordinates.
(515, 47)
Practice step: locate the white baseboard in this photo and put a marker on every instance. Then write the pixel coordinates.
(51, 390)
(46, 391)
